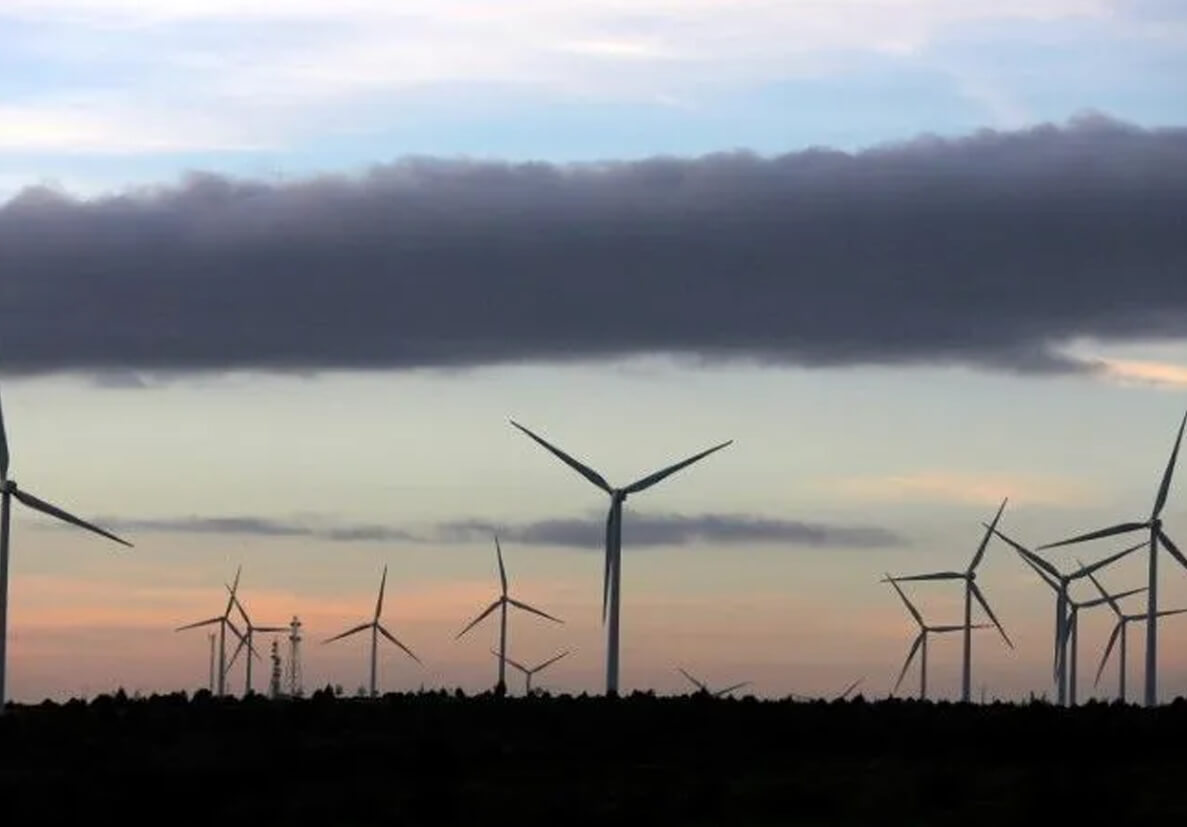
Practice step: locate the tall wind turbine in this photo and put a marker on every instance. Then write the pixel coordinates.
(920, 642)
(246, 641)
(529, 673)
(377, 629)
(612, 572)
(224, 622)
(501, 604)
(1060, 582)
(971, 592)
(9, 490)
(1119, 630)
(1156, 537)
(700, 685)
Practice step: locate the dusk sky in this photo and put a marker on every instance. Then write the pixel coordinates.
(274, 277)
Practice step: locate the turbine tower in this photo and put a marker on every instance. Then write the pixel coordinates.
(1119, 630)
(224, 622)
(293, 668)
(1156, 537)
(377, 629)
(247, 640)
(1060, 583)
(9, 491)
(529, 673)
(501, 604)
(971, 592)
(919, 644)
(720, 693)
(612, 570)
(211, 637)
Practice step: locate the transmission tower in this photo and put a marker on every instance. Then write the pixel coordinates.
(274, 685)
(293, 676)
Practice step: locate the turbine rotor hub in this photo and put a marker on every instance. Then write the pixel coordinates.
(618, 495)
(7, 486)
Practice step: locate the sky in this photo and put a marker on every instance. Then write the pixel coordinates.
(274, 278)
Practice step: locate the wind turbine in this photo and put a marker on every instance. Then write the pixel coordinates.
(1060, 582)
(9, 490)
(920, 642)
(612, 573)
(1071, 635)
(247, 639)
(377, 629)
(529, 673)
(1157, 536)
(501, 604)
(700, 685)
(848, 689)
(223, 621)
(969, 576)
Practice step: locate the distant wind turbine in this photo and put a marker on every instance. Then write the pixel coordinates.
(9, 490)
(501, 604)
(377, 629)
(528, 674)
(1060, 582)
(919, 644)
(849, 689)
(246, 640)
(969, 576)
(1157, 536)
(1070, 646)
(720, 693)
(612, 574)
(224, 622)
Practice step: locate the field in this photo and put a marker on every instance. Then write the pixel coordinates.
(440, 758)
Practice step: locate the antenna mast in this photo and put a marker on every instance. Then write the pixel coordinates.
(274, 685)
(293, 676)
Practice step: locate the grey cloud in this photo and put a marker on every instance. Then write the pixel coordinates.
(639, 530)
(992, 250)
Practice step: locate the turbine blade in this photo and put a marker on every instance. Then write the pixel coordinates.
(233, 628)
(348, 632)
(695, 682)
(520, 605)
(382, 587)
(239, 605)
(3, 447)
(555, 658)
(1098, 601)
(1169, 612)
(234, 656)
(1165, 487)
(392, 638)
(199, 623)
(652, 479)
(480, 618)
(502, 569)
(1035, 560)
(53, 511)
(1111, 531)
(1109, 598)
(989, 529)
(850, 688)
(510, 662)
(582, 469)
(1100, 564)
(907, 663)
(910, 608)
(722, 692)
(1031, 559)
(939, 575)
(1108, 650)
(1172, 548)
(955, 628)
(984, 605)
(271, 629)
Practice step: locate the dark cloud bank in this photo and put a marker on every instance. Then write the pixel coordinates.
(639, 530)
(990, 249)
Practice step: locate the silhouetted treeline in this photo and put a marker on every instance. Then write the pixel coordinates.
(444, 758)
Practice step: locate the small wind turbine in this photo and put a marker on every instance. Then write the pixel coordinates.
(920, 642)
(1156, 537)
(1060, 582)
(9, 490)
(246, 641)
(720, 693)
(529, 673)
(501, 604)
(224, 622)
(376, 629)
(969, 576)
(1119, 630)
(612, 574)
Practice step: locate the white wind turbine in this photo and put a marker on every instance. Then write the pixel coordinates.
(1156, 537)
(919, 644)
(246, 641)
(501, 603)
(1064, 612)
(9, 490)
(612, 573)
(971, 592)
(377, 629)
(529, 673)
(224, 622)
(1119, 630)
(700, 685)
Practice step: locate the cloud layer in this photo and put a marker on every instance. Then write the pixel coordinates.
(990, 250)
(639, 530)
